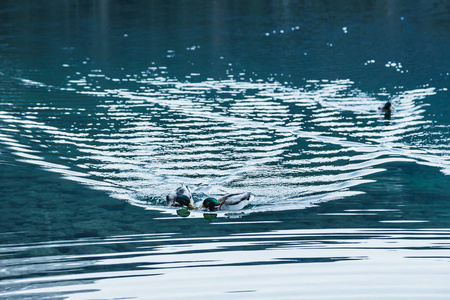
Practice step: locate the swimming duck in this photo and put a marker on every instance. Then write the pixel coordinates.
(228, 202)
(387, 108)
(182, 196)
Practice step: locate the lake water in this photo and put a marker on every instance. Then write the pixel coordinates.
(107, 106)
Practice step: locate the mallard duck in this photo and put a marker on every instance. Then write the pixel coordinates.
(181, 197)
(228, 202)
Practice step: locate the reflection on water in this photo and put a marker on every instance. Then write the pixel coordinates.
(308, 262)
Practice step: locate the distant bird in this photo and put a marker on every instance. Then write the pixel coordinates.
(387, 108)
(228, 202)
(181, 197)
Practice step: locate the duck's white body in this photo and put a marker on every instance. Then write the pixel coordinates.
(235, 201)
(182, 190)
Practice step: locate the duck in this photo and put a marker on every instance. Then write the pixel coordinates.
(387, 108)
(181, 197)
(228, 202)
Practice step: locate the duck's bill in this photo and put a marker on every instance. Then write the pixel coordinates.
(190, 206)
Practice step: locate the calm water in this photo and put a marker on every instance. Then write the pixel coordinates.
(106, 106)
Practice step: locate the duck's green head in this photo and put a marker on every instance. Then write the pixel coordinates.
(210, 203)
(184, 201)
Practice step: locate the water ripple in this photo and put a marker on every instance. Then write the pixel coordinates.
(391, 263)
(141, 139)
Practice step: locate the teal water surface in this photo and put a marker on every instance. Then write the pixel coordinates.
(107, 106)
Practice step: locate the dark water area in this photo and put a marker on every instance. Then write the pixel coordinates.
(107, 106)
